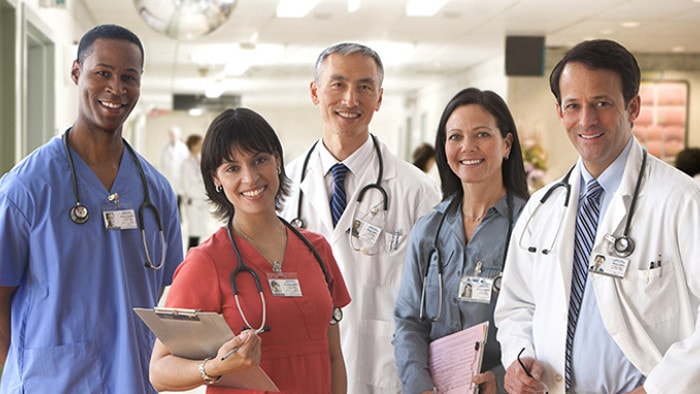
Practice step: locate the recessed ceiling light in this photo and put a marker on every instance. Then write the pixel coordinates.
(354, 5)
(630, 24)
(424, 7)
(295, 8)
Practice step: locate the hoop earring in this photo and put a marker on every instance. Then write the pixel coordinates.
(279, 170)
(219, 189)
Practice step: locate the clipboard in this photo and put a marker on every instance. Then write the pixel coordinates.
(456, 358)
(196, 335)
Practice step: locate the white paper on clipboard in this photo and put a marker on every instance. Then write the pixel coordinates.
(197, 335)
(456, 358)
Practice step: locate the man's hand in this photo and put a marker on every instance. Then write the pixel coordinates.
(518, 380)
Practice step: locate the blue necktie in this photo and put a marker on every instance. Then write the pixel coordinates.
(338, 199)
(586, 224)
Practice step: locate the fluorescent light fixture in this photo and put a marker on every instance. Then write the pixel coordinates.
(354, 5)
(424, 7)
(195, 112)
(214, 89)
(295, 8)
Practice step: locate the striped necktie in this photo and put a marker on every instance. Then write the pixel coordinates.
(338, 199)
(586, 224)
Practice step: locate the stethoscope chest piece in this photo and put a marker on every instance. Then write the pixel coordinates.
(79, 214)
(298, 223)
(624, 246)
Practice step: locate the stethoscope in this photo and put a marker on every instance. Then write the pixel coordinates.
(623, 245)
(299, 222)
(79, 213)
(241, 267)
(435, 255)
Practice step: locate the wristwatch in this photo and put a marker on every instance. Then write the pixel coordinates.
(205, 376)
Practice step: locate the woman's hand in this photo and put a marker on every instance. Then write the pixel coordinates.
(246, 353)
(487, 382)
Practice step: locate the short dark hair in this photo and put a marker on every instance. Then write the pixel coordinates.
(107, 32)
(192, 140)
(346, 49)
(688, 161)
(605, 55)
(243, 129)
(513, 170)
(422, 154)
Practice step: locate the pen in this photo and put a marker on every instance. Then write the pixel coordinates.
(230, 352)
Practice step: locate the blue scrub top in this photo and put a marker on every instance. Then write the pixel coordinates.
(73, 328)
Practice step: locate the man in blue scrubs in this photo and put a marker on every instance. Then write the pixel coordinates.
(68, 280)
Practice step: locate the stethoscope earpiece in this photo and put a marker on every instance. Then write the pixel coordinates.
(79, 214)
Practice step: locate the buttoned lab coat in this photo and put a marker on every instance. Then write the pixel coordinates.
(373, 281)
(652, 314)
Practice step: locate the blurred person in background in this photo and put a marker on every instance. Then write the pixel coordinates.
(194, 196)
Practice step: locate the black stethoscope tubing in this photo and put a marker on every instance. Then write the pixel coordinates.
(299, 222)
(241, 267)
(623, 245)
(434, 251)
(79, 213)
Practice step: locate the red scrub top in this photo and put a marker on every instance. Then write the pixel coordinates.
(294, 353)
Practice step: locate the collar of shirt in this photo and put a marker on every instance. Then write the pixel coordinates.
(356, 163)
(609, 180)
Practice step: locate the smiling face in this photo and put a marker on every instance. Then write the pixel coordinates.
(109, 84)
(594, 114)
(348, 92)
(250, 181)
(474, 147)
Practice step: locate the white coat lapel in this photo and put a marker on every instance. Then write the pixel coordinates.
(565, 244)
(316, 206)
(614, 306)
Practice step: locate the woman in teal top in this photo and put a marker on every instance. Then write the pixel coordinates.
(465, 237)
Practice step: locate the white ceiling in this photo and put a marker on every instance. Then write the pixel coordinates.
(464, 33)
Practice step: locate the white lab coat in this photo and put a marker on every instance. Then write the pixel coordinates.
(652, 314)
(373, 281)
(171, 158)
(194, 198)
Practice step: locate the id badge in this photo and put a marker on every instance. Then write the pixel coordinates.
(475, 289)
(366, 232)
(119, 219)
(608, 265)
(284, 284)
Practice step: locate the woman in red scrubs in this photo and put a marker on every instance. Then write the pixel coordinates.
(294, 336)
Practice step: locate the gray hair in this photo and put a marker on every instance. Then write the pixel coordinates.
(345, 49)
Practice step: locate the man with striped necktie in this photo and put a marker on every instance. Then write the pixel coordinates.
(597, 295)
